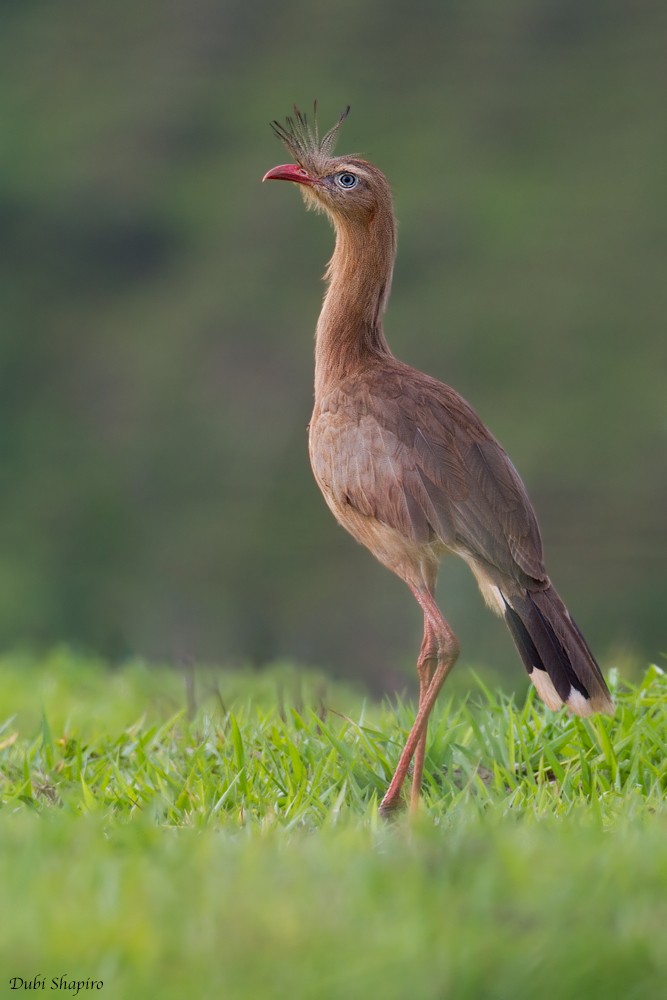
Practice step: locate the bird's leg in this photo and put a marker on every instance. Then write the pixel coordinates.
(425, 668)
(446, 652)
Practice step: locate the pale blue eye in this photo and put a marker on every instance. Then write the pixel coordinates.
(347, 180)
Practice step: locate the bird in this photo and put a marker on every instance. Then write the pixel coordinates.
(405, 464)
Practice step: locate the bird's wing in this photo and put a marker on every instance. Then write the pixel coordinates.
(410, 452)
(466, 471)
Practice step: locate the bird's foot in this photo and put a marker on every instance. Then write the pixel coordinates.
(390, 807)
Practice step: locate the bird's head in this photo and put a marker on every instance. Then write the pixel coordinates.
(346, 187)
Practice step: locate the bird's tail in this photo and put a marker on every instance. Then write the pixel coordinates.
(556, 655)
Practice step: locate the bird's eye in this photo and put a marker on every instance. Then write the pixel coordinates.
(347, 180)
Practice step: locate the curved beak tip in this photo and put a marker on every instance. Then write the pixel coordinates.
(289, 172)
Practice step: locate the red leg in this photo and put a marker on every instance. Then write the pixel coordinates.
(447, 651)
(425, 668)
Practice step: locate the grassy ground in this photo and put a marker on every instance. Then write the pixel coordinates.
(216, 836)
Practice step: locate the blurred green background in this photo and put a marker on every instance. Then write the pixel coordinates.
(158, 305)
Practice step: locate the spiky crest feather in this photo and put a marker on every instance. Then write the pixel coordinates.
(303, 140)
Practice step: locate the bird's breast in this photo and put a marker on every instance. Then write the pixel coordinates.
(366, 476)
(358, 469)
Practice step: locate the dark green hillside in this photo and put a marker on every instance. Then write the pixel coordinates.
(158, 306)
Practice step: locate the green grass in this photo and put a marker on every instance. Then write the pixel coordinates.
(216, 835)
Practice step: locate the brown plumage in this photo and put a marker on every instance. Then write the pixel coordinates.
(406, 465)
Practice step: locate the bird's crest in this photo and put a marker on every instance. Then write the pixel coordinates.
(303, 139)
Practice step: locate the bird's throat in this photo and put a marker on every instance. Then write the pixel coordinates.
(349, 334)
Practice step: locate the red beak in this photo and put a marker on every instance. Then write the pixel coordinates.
(290, 172)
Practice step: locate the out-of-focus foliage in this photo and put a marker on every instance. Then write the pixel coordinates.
(158, 306)
(228, 845)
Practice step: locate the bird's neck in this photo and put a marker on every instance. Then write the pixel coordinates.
(349, 335)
